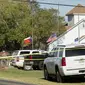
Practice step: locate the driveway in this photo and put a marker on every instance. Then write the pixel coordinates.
(7, 82)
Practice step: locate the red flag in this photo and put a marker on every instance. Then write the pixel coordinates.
(28, 40)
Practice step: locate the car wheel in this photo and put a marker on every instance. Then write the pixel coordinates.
(41, 65)
(20, 67)
(60, 79)
(34, 68)
(46, 75)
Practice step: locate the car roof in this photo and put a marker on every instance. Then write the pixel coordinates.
(72, 46)
(17, 52)
(27, 50)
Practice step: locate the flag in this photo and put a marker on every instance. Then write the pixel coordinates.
(76, 40)
(28, 40)
(80, 38)
(52, 38)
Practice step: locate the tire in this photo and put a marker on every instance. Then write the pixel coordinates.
(34, 68)
(20, 67)
(41, 65)
(46, 75)
(60, 79)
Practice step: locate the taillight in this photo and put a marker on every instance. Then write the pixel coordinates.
(17, 59)
(63, 62)
(30, 57)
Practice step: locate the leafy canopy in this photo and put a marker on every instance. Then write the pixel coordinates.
(19, 20)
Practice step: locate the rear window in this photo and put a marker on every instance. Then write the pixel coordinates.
(74, 52)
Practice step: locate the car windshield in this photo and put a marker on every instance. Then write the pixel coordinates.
(74, 52)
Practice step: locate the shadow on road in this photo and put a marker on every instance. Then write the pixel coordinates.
(70, 80)
(8, 82)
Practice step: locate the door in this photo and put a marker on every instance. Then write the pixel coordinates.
(53, 60)
(75, 58)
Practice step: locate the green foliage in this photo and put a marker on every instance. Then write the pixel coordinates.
(19, 20)
(45, 22)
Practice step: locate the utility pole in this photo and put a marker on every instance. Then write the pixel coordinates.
(32, 13)
(58, 19)
(78, 30)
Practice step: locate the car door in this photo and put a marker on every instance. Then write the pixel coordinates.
(60, 55)
(22, 56)
(49, 61)
(54, 59)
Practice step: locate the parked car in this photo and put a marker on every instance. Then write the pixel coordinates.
(18, 58)
(25, 59)
(65, 61)
(35, 59)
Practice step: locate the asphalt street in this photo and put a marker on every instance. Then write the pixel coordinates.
(7, 82)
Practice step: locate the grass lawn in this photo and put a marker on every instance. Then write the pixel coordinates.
(32, 76)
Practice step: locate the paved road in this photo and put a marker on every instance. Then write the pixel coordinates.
(7, 82)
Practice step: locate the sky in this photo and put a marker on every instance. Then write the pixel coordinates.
(63, 9)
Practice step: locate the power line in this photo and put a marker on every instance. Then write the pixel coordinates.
(48, 3)
(52, 3)
(56, 4)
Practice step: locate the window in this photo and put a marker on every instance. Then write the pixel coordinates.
(24, 52)
(51, 54)
(55, 52)
(60, 52)
(35, 52)
(74, 52)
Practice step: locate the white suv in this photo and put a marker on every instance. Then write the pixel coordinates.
(19, 56)
(65, 61)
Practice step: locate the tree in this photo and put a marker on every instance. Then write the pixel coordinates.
(18, 21)
(46, 22)
(14, 25)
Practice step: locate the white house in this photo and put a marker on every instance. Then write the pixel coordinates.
(76, 32)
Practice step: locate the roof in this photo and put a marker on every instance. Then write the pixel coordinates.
(77, 10)
(83, 20)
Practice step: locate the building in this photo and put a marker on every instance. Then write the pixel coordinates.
(76, 32)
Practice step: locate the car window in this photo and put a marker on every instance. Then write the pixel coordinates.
(35, 52)
(55, 52)
(52, 53)
(74, 52)
(24, 52)
(61, 52)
